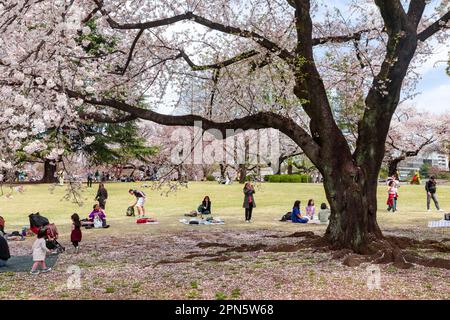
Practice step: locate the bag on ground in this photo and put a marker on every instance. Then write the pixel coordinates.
(286, 217)
(98, 223)
(130, 212)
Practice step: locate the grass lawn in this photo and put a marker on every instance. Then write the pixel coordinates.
(272, 201)
(166, 254)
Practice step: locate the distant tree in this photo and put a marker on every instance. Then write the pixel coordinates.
(412, 132)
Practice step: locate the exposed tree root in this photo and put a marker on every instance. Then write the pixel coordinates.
(394, 250)
(204, 245)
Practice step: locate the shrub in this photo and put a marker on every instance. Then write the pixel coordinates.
(210, 178)
(445, 175)
(287, 178)
(274, 178)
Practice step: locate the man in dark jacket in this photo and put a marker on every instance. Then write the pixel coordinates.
(4, 251)
(430, 187)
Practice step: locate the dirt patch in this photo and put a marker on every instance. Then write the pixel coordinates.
(339, 254)
(302, 234)
(172, 261)
(223, 258)
(353, 260)
(246, 248)
(284, 248)
(428, 262)
(199, 255)
(205, 245)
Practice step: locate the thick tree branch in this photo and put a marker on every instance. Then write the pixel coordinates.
(261, 40)
(384, 94)
(440, 24)
(309, 86)
(219, 65)
(261, 120)
(106, 119)
(342, 38)
(415, 11)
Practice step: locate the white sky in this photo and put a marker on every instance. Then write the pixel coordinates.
(434, 87)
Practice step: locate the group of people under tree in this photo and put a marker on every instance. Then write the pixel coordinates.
(310, 211)
(98, 215)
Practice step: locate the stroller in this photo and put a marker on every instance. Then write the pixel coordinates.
(38, 222)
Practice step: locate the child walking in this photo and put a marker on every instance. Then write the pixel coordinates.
(76, 235)
(392, 196)
(39, 252)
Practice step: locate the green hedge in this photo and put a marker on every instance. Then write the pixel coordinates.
(210, 178)
(284, 178)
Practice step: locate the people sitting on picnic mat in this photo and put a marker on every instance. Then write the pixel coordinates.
(13, 236)
(4, 251)
(205, 206)
(324, 213)
(2, 226)
(96, 219)
(297, 216)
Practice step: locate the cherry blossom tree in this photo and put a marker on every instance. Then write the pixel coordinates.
(259, 63)
(413, 131)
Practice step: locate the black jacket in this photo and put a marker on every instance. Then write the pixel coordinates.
(204, 207)
(102, 194)
(430, 186)
(4, 249)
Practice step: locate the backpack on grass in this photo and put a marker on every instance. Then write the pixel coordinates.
(130, 212)
(286, 217)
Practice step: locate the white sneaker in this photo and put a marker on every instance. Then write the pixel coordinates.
(428, 210)
(46, 270)
(34, 272)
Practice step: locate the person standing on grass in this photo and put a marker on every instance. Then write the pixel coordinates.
(392, 196)
(140, 201)
(76, 235)
(430, 187)
(249, 201)
(102, 195)
(39, 252)
(90, 178)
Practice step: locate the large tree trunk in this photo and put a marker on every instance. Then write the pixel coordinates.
(49, 172)
(393, 164)
(242, 173)
(290, 169)
(353, 202)
(223, 171)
